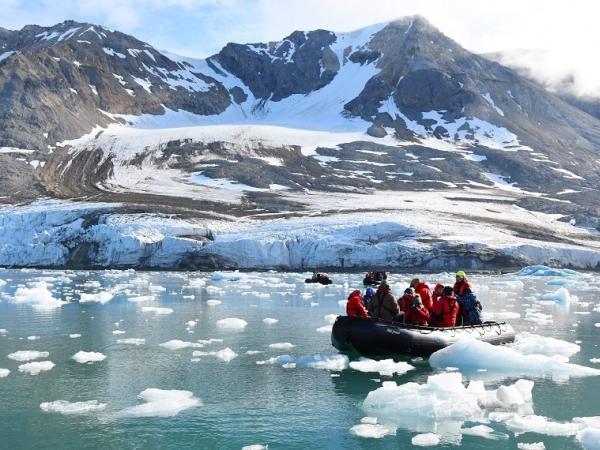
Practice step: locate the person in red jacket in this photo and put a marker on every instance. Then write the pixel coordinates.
(407, 299)
(355, 306)
(417, 314)
(424, 292)
(438, 292)
(446, 309)
(461, 285)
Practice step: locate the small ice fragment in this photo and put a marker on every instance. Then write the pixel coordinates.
(425, 439)
(74, 335)
(34, 368)
(4, 373)
(213, 302)
(32, 338)
(161, 403)
(177, 344)
(374, 431)
(68, 408)
(157, 310)
(255, 447)
(88, 357)
(132, 341)
(118, 332)
(232, 323)
(270, 321)
(27, 355)
(282, 346)
(531, 446)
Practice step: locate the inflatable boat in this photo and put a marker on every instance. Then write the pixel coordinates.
(320, 280)
(374, 337)
(371, 282)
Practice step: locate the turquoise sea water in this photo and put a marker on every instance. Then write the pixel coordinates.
(243, 403)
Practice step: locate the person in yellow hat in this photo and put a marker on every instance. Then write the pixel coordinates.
(461, 285)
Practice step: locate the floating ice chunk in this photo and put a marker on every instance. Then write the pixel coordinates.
(226, 354)
(74, 335)
(425, 439)
(88, 357)
(68, 408)
(327, 362)
(561, 296)
(141, 298)
(3, 331)
(531, 446)
(484, 431)
(27, 355)
(270, 321)
(282, 346)
(132, 341)
(33, 338)
(545, 271)
(372, 430)
(4, 373)
(34, 368)
(589, 438)
(227, 276)
(118, 332)
(197, 282)
(37, 295)
(191, 323)
(161, 403)
(277, 360)
(255, 447)
(177, 344)
(387, 367)
(213, 302)
(156, 310)
(214, 290)
(529, 344)
(542, 425)
(595, 360)
(325, 329)
(98, 297)
(470, 355)
(232, 323)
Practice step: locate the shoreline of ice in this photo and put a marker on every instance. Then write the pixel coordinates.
(64, 234)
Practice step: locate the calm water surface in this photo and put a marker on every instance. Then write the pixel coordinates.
(242, 403)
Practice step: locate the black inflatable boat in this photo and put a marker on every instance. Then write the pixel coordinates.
(321, 280)
(371, 282)
(373, 337)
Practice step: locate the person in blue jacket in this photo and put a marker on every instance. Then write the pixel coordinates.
(369, 293)
(470, 308)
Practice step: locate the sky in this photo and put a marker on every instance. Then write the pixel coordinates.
(564, 33)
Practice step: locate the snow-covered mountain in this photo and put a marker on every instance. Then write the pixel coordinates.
(315, 124)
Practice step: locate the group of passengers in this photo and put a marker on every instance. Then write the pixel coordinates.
(444, 306)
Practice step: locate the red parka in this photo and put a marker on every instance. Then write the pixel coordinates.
(355, 306)
(405, 302)
(445, 312)
(419, 315)
(438, 292)
(423, 290)
(460, 287)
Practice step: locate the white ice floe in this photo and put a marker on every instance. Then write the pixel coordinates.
(118, 332)
(226, 354)
(470, 355)
(131, 341)
(71, 408)
(88, 357)
(37, 295)
(33, 338)
(270, 321)
(282, 346)
(213, 302)
(161, 403)
(386, 367)
(27, 355)
(589, 438)
(531, 446)
(425, 440)
(334, 362)
(325, 329)
(533, 344)
(177, 344)
(443, 403)
(545, 271)
(157, 310)
(561, 296)
(255, 447)
(96, 297)
(34, 368)
(541, 425)
(74, 335)
(232, 323)
(372, 430)
(4, 373)
(483, 431)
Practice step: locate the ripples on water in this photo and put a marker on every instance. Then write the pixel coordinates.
(231, 401)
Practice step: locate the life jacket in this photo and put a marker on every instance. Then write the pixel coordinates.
(460, 287)
(425, 293)
(406, 302)
(418, 315)
(355, 307)
(446, 311)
